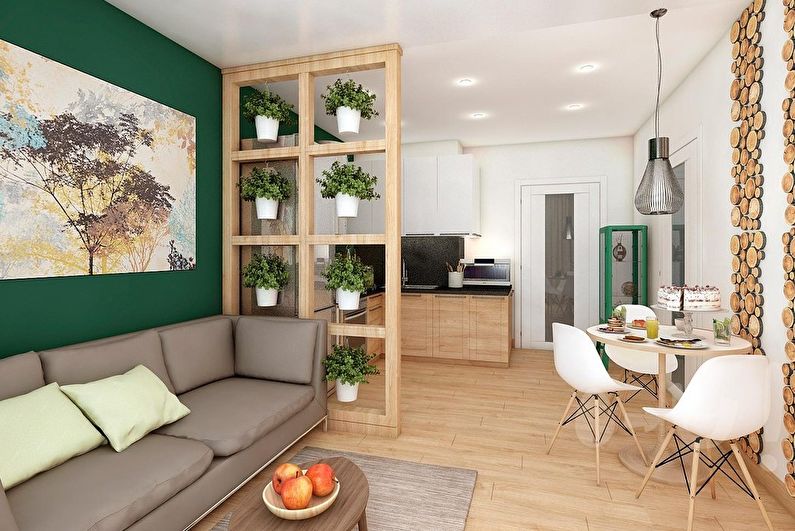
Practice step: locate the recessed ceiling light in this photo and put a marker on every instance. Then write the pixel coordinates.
(574, 106)
(478, 115)
(465, 82)
(586, 68)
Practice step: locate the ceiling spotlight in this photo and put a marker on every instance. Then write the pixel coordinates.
(465, 82)
(574, 106)
(586, 68)
(478, 115)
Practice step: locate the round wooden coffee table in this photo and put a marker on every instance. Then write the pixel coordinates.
(348, 510)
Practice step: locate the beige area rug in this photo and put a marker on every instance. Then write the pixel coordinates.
(404, 496)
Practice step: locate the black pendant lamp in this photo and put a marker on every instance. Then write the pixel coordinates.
(658, 192)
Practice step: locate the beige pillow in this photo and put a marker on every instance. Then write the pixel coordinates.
(128, 406)
(40, 430)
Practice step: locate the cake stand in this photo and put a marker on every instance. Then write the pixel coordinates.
(687, 319)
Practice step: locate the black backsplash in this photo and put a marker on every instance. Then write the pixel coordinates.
(425, 257)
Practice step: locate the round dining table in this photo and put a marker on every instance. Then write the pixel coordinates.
(629, 455)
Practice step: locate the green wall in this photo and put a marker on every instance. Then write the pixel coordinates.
(97, 38)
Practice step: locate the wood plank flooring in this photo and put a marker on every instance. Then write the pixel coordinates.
(498, 422)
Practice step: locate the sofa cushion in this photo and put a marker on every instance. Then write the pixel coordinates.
(199, 353)
(20, 374)
(128, 406)
(100, 359)
(105, 490)
(282, 350)
(229, 415)
(40, 430)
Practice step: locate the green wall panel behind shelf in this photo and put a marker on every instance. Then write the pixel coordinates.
(96, 38)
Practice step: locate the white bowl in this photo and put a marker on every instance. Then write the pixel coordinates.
(316, 505)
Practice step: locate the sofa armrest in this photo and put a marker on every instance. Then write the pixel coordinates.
(282, 349)
(7, 521)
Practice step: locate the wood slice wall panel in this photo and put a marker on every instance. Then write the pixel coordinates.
(747, 247)
(788, 241)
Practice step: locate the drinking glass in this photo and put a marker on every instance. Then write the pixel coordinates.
(652, 328)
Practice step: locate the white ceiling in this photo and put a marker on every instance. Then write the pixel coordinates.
(523, 55)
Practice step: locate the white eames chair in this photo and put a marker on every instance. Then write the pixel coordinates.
(728, 398)
(579, 365)
(644, 365)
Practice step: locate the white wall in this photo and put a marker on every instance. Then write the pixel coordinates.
(700, 107)
(431, 149)
(502, 166)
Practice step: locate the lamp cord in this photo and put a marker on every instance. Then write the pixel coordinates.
(659, 79)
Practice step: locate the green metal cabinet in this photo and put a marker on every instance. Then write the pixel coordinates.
(623, 260)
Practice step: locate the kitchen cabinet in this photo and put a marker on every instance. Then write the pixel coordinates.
(416, 333)
(375, 316)
(450, 327)
(371, 213)
(419, 195)
(325, 209)
(489, 328)
(441, 195)
(468, 329)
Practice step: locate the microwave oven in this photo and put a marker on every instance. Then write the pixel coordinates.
(487, 272)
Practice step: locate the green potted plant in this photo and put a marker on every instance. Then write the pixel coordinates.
(267, 274)
(347, 183)
(266, 187)
(347, 367)
(266, 109)
(349, 277)
(349, 102)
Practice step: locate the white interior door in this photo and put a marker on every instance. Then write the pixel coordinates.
(559, 259)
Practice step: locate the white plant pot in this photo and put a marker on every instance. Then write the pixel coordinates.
(347, 300)
(348, 120)
(347, 206)
(345, 392)
(267, 208)
(267, 297)
(267, 128)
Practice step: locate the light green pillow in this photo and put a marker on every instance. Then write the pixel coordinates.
(128, 406)
(40, 430)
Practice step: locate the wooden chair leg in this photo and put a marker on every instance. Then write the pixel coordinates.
(560, 424)
(631, 429)
(656, 460)
(596, 436)
(751, 485)
(693, 483)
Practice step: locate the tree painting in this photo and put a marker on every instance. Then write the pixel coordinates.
(93, 178)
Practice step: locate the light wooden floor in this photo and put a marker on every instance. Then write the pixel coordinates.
(498, 421)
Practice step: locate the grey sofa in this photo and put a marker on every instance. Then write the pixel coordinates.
(254, 386)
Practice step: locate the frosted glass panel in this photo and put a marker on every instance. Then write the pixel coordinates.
(559, 261)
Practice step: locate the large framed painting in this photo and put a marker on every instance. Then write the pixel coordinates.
(94, 179)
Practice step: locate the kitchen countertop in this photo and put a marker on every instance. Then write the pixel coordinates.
(498, 291)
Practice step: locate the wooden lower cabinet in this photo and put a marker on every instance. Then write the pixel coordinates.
(451, 327)
(375, 316)
(416, 332)
(489, 328)
(470, 328)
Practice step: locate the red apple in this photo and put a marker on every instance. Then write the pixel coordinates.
(297, 492)
(322, 477)
(282, 473)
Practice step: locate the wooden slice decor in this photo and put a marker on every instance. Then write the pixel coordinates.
(788, 241)
(746, 191)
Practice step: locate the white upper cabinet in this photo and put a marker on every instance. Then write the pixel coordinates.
(441, 195)
(371, 213)
(420, 189)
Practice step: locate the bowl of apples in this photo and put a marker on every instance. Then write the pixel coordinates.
(297, 494)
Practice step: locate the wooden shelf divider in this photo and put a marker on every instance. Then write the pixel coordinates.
(357, 330)
(264, 155)
(347, 148)
(266, 239)
(385, 422)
